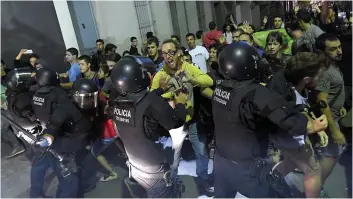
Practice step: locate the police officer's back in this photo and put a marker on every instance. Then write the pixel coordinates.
(138, 116)
(244, 113)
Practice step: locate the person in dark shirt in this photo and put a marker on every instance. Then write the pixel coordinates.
(97, 57)
(274, 58)
(301, 74)
(85, 67)
(30, 62)
(109, 48)
(329, 20)
(154, 53)
(133, 49)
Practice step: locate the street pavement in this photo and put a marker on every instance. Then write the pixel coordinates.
(15, 180)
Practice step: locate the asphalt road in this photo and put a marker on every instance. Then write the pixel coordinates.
(15, 179)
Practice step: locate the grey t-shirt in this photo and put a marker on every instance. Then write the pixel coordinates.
(309, 37)
(333, 84)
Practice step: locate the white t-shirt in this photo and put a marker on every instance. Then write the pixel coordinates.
(200, 56)
(229, 37)
(300, 100)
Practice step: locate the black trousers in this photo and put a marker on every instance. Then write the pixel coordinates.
(232, 177)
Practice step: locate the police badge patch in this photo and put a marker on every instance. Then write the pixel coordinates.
(223, 98)
(124, 115)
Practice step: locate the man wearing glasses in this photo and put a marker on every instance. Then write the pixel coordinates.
(179, 76)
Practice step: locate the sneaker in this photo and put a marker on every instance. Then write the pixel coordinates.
(15, 151)
(324, 194)
(112, 176)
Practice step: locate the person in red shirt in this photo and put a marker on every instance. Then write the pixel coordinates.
(213, 36)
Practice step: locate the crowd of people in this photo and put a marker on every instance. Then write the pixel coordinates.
(267, 101)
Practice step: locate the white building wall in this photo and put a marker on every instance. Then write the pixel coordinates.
(117, 22)
(162, 19)
(245, 12)
(256, 20)
(208, 13)
(238, 14)
(191, 14)
(66, 25)
(182, 21)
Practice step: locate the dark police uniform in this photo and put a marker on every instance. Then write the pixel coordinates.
(19, 106)
(136, 114)
(64, 122)
(85, 97)
(244, 114)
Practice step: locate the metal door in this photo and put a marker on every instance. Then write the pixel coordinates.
(84, 24)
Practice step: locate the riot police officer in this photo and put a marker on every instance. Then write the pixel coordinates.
(139, 117)
(85, 97)
(244, 114)
(65, 132)
(18, 108)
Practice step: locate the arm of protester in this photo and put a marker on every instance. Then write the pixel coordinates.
(18, 57)
(66, 85)
(207, 92)
(156, 84)
(63, 75)
(197, 77)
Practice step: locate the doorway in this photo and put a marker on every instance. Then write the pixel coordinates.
(85, 26)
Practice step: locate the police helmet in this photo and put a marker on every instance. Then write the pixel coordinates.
(47, 77)
(238, 61)
(129, 76)
(85, 93)
(19, 79)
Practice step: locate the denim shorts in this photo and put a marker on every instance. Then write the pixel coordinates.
(332, 149)
(99, 147)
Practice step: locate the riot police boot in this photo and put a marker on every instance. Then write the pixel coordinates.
(279, 185)
(205, 187)
(16, 151)
(135, 189)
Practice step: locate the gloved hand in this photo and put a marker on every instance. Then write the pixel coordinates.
(44, 142)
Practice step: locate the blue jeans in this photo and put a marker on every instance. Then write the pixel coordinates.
(198, 141)
(68, 186)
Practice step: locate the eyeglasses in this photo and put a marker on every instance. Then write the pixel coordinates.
(170, 53)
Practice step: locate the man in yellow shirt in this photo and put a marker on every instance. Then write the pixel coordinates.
(178, 76)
